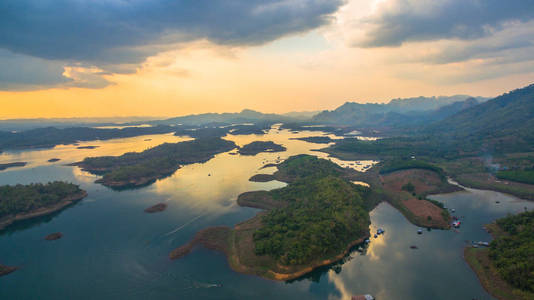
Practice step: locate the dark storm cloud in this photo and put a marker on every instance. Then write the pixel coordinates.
(125, 32)
(21, 72)
(421, 20)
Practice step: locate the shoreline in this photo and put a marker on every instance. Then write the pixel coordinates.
(226, 246)
(323, 263)
(42, 211)
(479, 262)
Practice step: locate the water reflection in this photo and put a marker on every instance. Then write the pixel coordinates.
(71, 153)
(112, 249)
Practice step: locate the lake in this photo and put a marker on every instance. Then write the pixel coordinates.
(112, 249)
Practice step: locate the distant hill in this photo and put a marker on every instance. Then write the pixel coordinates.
(398, 112)
(245, 116)
(301, 115)
(27, 124)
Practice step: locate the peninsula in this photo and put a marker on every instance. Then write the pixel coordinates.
(136, 169)
(21, 202)
(12, 165)
(312, 222)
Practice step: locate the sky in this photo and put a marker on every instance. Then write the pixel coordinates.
(102, 58)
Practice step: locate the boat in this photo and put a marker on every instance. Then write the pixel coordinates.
(456, 224)
(376, 235)
(380, 231)
(419, 231)
(413, 247)
(363, 297)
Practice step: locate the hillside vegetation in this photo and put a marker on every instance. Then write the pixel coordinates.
(15, 199)
(513, 253)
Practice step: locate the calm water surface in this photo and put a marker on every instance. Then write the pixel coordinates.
(112, 249)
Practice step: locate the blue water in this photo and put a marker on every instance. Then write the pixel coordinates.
(111, 249)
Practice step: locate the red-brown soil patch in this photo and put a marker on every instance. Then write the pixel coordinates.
(214, 238)
(420, 211)
(4, 270)
(424, 181)
(424, 209)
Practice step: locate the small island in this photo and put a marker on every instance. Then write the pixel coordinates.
(4, 270)
(21, 202)
(262, 178)
(505, 268)
(54, 160)
(312, 222)
(137, 169)
(54, 236)
(12, 165)
(261, 146)
(315, 139)
(156, 208)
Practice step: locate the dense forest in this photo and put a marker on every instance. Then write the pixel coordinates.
(513, 252)
(523, 176)
(24, 198)
(322, 213)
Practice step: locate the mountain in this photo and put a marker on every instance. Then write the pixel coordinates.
(427, 103)
(27, 124)
(398, 112)
(506, 122)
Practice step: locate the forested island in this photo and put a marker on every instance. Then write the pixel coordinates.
(260, 146)
(20, 202)
(137, 169)
(505, 268)
(312, 222)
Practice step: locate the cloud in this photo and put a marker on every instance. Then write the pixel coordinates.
(396, 22)
(22, 72)
(117, 35)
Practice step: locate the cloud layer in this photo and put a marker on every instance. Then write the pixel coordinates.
(117, 35)
(399, 21)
